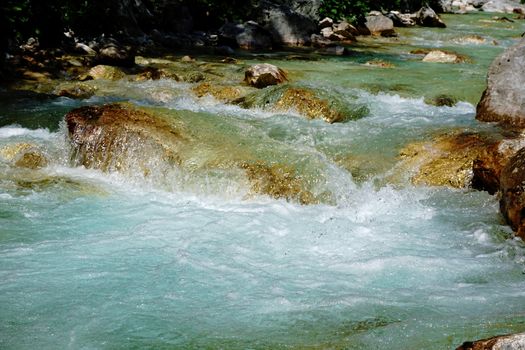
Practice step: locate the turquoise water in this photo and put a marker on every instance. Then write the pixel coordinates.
(92, 260)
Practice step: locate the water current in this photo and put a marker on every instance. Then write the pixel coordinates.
(93, 260)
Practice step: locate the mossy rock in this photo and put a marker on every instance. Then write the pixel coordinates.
(441, 100)
(313, 104)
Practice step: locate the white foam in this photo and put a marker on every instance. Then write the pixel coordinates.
(12, 131)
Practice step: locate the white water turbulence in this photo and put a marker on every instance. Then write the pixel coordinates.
(111, 260)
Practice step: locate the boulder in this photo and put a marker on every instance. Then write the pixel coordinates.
(326, 22)
(103, 72)
(263, 75)
(320, 41)
(378, 25)
(346, 30)
(428, 18)
(458, 160)
(401, 19)
(441, 100)
(512, 187)
(504, 98)
(500, 342)
(286, 26)
(114, 54)
(327, 32)
(181, 148)
(248, 36)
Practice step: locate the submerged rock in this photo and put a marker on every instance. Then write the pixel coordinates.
(24, 155)
(442, 100)
(504, 98)
(277, 180)
(263, 75)
(440, 56)
(312, 104)
(500, 342)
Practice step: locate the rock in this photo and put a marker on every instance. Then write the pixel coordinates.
(500, 342)
(442, 100)
(326, 22)
(76, 90)
(380, 63)
(504, 98)
(443, 6)
(448, 159)
(221, 93)
(277, 181)
(103, 72)
(186, 147)
(286, 26)
(378, 25)
(85, 49)
(224, 50)
(346, 30)
(512, 203)
(327, 32)
(114, 54)
(320, 41)
(401, 19)
(428, 18)
(263, 75)
(439, 56)
(249, 36)
(501, 6)
(471, 39)
(306, 103)
(153, 73)
(187, 59)
(24, 155)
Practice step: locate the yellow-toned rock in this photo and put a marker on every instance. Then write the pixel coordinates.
(308, 104)
(24, 155)
(103, 72)
(278, 181)
(221, 93)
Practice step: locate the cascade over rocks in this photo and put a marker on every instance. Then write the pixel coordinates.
(157, 145)
(504, 98)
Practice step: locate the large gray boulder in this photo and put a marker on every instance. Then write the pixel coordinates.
(504, 98)
(287, 26)
(249, 35)
(378, 24)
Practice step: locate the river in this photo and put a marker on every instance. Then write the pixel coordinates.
(193, 260)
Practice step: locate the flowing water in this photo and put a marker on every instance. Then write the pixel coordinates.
(193, 260)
